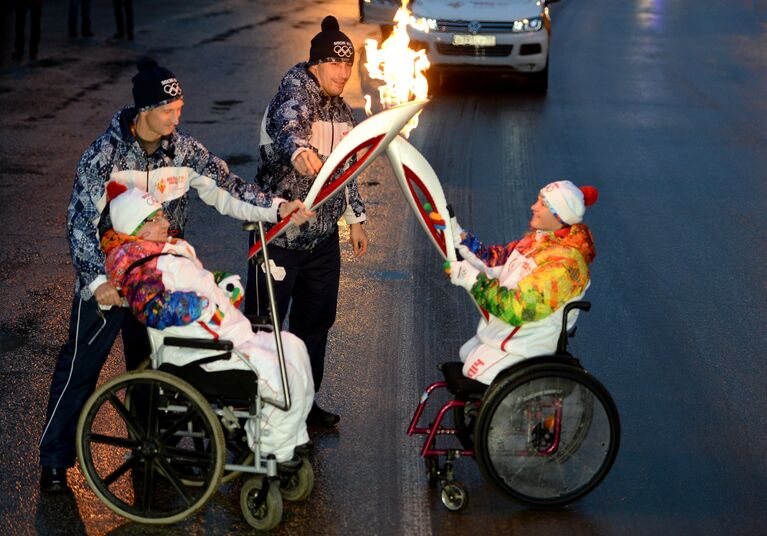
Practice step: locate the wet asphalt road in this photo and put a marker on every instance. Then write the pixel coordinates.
(659, 104)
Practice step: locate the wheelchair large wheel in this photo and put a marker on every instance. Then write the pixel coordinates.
(137, 441)
(547, 434)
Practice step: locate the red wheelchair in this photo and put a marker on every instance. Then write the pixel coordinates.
(544, 433)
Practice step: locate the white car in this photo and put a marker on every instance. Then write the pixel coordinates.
(476, 34)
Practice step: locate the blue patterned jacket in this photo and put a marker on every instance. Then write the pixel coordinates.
(179, 164)
(302, 117)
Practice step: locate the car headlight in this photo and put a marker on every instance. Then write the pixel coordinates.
(527, 25)
(425, 24)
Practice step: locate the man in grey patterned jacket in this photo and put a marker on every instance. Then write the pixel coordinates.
(141, 149)
(304, 122)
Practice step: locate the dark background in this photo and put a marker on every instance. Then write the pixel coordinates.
(659, 104)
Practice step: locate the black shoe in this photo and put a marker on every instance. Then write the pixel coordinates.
(87, 33)
(16, 56)
(33, 56)
(305, 449)
(54, 479)
(320, 417)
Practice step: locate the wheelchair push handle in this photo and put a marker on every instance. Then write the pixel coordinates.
(562, 342)
(274, 317)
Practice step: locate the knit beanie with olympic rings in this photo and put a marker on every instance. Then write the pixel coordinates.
(154, 85)
(331, 44)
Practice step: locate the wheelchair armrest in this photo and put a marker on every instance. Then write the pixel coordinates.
(562, 342)
(200, 344)
(582, 305)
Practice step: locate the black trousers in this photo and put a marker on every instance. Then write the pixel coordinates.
(310, 288)
(124, 23)
(84, 7)
(35, 11)
(91, 335)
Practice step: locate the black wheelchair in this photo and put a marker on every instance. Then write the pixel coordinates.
(544, 433)
(155, 444)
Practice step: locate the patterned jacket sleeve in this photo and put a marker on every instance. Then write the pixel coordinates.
(225, 191)
(288, 123)
(83, 215)
(561, 275)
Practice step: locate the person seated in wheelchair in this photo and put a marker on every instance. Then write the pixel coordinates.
(168, 289)
(525, 284)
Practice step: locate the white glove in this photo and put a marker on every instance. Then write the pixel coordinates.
(463, 274)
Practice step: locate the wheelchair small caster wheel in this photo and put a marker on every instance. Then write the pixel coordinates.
(298, 485)
(263, 513)
(454, 496)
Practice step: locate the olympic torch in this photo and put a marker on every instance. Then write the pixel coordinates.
(371, 136)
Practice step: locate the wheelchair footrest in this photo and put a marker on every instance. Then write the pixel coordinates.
(457, 383)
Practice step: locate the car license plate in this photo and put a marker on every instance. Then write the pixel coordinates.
(474, 40)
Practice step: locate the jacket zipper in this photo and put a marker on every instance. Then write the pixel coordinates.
(332, 135)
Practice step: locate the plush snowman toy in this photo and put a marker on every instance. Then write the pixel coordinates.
(231, 285)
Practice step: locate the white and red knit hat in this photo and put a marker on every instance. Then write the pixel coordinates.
(129, 207)
(567, 201)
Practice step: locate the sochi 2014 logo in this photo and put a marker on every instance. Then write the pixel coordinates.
(343, 49)
(171, 87)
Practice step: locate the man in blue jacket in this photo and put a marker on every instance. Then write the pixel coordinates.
(304, 122)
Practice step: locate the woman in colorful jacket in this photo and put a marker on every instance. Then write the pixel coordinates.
(524, 285)
(168, 289)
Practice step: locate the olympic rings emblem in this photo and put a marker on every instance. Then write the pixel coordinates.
(174, 90)
(344, 51)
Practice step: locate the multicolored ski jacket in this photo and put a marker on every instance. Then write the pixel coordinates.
(179, 164)
(538, 273)
(524, 286)
(177, 296)
(302, 117)
(154, 304)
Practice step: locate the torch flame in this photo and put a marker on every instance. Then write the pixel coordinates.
(398, 66)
